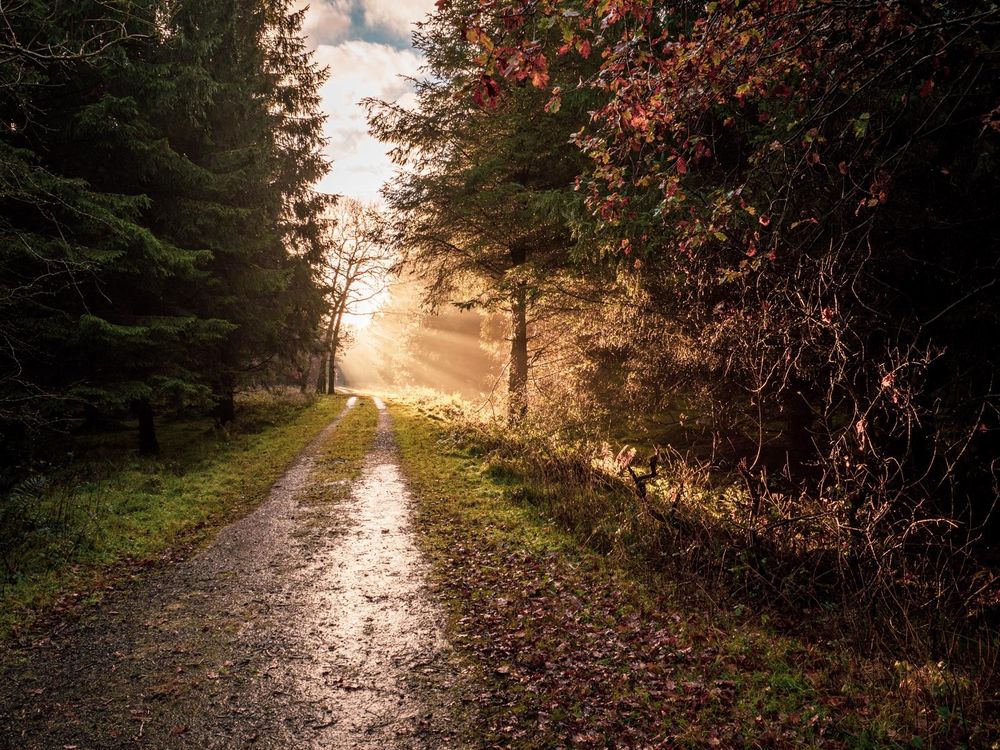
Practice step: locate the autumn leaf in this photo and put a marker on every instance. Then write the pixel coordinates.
(554, 103)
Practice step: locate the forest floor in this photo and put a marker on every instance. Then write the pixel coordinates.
(575, 648)
(306, 624)
(395, 590)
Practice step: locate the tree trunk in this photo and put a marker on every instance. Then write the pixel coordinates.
(517, 390)
(324, 362)
(148, 444)
(327, 372)
(313, 365)
(225, 408)
(331, 363)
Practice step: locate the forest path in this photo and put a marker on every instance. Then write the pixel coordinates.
(304, 625)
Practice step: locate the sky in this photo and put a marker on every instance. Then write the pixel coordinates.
(366, 45)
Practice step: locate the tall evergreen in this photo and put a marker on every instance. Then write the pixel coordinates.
(73, 228)
(485, 200)
(157, 230)
(259, 149)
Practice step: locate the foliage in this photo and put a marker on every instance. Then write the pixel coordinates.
(157, 161)
(795, 199)
(576, 648)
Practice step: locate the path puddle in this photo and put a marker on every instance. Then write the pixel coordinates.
(378, 661)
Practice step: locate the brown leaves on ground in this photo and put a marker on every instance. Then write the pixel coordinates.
(573, 651)
(574, 659)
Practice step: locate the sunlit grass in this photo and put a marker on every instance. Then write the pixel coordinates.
(341, 458)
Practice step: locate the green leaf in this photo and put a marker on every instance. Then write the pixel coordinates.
(860, 125)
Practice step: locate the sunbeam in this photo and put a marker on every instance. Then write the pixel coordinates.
(405, 346)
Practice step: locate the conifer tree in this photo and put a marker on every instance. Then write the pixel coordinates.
(485, 198)
(158, 228)
(256, 213)
(73, 228)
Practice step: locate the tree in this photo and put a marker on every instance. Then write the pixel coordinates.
(792, 191)
(259, 152)
(354, 271)
(158, 223)
(485, 201)
(76, 235)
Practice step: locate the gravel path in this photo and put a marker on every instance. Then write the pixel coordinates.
(303, 625)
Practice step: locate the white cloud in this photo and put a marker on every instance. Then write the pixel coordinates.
(396, 16)
(326, 21)
(360, 69)
(329, 21)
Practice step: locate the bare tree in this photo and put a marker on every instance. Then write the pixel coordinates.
(355, 271)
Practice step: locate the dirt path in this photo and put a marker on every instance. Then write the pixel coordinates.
(302, 626)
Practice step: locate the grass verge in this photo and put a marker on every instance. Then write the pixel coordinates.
(340, 460)
(576, 651)
(112, 512)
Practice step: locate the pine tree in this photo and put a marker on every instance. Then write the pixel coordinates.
(486, 198)
(257, 214)
(101, 328)
(158, 231)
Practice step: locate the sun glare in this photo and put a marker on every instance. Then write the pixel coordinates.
(360, 318)
(397, 345)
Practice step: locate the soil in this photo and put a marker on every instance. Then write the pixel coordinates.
(303, 625)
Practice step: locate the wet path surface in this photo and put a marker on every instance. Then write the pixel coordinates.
(304, 625)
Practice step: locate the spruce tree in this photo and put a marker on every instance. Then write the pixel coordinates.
(256, 212)
(99, 328)
(485, 199)
(158, 230)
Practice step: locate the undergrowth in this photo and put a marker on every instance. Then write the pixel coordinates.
(564, 582)
(693, 523)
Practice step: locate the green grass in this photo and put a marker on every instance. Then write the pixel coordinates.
(453, 479)
(342, 457)
(111, 510)
(769, 687)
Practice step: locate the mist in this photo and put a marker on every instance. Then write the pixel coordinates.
(450, 350)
